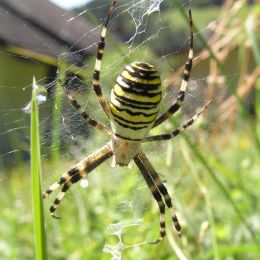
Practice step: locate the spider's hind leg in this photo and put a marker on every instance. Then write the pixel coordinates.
(159, 191)
(76, 173)
(75, 178)
(157, 196)
(64, 178)
(67, 180)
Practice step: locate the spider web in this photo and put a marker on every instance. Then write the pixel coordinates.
(139, 12)
(76, 139)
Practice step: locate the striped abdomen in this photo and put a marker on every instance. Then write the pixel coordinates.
(135, 100)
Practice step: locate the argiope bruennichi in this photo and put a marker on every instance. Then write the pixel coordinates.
(132, 111)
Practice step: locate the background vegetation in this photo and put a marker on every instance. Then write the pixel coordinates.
(212, 171)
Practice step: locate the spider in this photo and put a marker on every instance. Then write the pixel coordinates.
(132, 111)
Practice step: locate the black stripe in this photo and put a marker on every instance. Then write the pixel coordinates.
(139, 85)
(142, 74)
(132, 90)
(98, 91)
(57, 201)
(61, 181)
(65, 187)
(176, 224)
(133, 113)
(161, 206)
(188, 123)
(72, 171)
(134, 106)
(168, 202)
(75, 178)
(131, 127)
(89, 120)
(96, 74)
(186, 77)
(75, 104)
(99, 55)
(162, 233)
(85, 115)
(174, 108)
(131, 122)
(166, 137)
(127, 138)
(181, 96)
(188, 65)
(163, 191)
(137, 102)
(162, 224)
(144, 65)
(48, 191)
(101, 44)
(176, 132)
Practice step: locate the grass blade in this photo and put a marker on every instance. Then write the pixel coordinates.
(38, 217)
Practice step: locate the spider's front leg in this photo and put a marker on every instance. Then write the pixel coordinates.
(186, 75)
(76, 173)
(100, 52)
(84, 114)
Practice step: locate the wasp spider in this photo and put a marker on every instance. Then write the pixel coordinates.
(132, 111)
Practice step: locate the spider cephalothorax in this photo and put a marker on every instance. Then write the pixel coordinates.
(132, 111)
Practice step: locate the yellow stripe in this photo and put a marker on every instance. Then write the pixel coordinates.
(155, 81)
(104, 32)
(132, 96)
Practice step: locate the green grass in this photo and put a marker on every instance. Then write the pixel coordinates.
(87, 213)
(38, 215)
(211, 227)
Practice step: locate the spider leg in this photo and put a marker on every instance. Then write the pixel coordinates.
(177, 131)
(63, 179)
(84, 114)
(186, 75)
(156, 194)
(74, 179)
(157, 188)
(96, 74)
(80, 170)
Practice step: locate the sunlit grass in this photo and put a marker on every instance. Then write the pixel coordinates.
(120, 195)
(38, 216)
